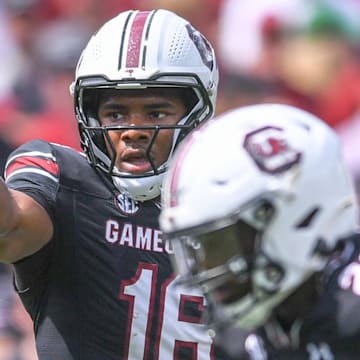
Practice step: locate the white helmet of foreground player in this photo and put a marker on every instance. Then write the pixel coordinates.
(137, 50)
(255, 202)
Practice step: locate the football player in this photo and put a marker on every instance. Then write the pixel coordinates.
(81, 229)
(263, 218)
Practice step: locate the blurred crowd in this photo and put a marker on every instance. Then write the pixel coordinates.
(301, 52)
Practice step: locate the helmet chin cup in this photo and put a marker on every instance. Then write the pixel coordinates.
(139, 189)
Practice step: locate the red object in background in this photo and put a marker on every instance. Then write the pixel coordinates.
(271, 29)
(53, 9)
(17, 127)
(52, 127)
(342, 98)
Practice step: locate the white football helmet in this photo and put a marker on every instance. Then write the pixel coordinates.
(137, 50)
(255, 201)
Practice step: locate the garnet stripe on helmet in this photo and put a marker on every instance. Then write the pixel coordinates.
(176, 169)
(135, 38)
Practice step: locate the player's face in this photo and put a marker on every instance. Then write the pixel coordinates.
(148, 107)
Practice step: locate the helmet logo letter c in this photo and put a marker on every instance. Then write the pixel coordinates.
(270, 151)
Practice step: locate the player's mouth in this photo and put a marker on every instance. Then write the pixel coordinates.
(135, 162)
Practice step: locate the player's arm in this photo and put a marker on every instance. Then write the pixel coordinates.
(25, 226)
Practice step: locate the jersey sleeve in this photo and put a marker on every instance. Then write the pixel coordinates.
(33, 169)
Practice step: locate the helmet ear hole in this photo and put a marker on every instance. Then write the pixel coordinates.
(264, 212)
(322, 248)
(307, 219)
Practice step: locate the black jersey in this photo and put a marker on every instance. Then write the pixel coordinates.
(329, 331)
(103, 287)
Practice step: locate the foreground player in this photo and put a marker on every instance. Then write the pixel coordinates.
(82, 229)
(262, 215)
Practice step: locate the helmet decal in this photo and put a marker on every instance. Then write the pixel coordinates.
(202, 45)
(138, 35)
(270, 151)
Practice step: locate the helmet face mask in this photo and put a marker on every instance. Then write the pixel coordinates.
(177, 56)
(96, 135)
(250, 227)
(224, 256)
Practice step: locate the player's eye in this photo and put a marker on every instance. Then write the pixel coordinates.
(112, 118)
(157, 115)
(116, 116)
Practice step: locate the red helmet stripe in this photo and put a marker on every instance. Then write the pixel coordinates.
(176, 170)
(136, 35)
(182, 154)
